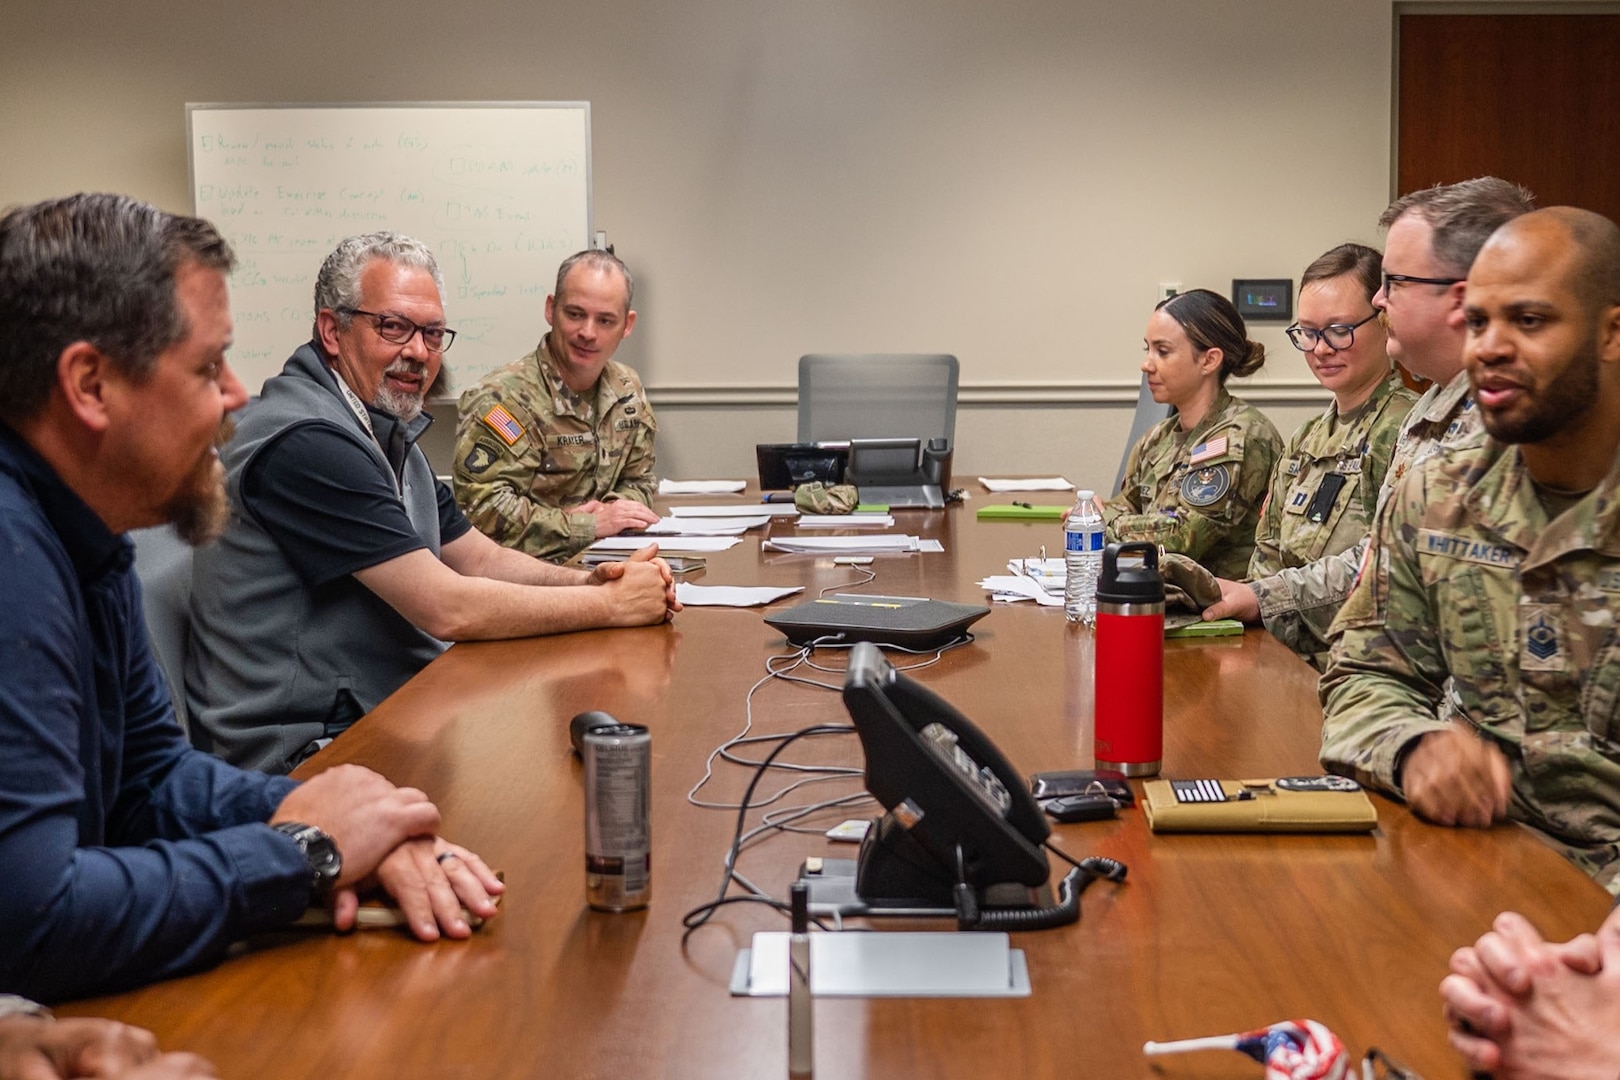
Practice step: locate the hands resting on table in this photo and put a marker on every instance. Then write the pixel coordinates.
(1523, 1008)
(388, 838)
(39, 1048)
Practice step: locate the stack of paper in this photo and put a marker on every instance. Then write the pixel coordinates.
(666, 543)
(887, 543)
(730, 595)
(1007, 588)
(699, 487)
(845, 521)
(1040, 580)
(742, 510)
(690, 526)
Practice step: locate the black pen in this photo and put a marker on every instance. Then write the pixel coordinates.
(777, 497)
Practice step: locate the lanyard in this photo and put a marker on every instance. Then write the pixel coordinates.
(358, 407)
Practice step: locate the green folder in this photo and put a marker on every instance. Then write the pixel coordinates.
(1212, 628)
(1009, 512)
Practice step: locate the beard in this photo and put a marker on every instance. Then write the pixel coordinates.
(1565, 399)
(401, 406)
(200, 510)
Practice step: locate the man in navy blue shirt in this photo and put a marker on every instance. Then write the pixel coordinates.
(127, 856)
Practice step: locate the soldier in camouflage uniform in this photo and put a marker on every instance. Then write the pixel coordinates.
(1324, 488)
(556, 450)
(1433, 236)
(1195, 481)
(1499, 568)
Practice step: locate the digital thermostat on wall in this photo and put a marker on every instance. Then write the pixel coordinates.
(1264, 298)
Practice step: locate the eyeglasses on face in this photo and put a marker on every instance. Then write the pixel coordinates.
(1392, 280)
(398, 330)
(1338, 335)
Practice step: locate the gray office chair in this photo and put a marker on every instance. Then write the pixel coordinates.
(163, 563)
(1148, 412)
(877, 396)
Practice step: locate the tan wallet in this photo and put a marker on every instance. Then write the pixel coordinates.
(1267, 808)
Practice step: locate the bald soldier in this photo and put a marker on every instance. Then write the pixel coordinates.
(1499, 566)
(556, 450)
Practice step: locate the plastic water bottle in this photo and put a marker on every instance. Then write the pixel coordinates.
(1082, 559)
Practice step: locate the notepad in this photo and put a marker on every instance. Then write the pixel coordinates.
(1021, 513)
(887, 964)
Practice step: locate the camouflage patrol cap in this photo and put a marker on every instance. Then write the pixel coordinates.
(1186, 583)
(817, 498)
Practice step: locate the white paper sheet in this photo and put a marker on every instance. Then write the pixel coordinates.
(845, 521)
(700, 487)
(1049, 483)
(730, 595)
(666, 543)
(689, 526)
(1009, 587)
(736, 510)
(843, 545)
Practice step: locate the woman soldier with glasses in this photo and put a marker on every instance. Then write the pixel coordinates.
(1325, 487)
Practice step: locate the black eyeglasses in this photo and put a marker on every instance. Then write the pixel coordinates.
(398, 330)
(1339, 335)
(1408, 279)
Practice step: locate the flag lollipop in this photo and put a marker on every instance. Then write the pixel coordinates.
(1290, 1049)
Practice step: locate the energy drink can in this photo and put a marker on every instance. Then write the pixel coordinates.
(618, 827)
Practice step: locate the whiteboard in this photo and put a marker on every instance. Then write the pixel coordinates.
(501, 191)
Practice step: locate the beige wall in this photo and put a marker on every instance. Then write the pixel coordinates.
(1006, 182)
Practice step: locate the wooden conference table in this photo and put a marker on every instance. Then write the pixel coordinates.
(1210, 934)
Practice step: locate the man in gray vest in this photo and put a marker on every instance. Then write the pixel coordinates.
(346, 566)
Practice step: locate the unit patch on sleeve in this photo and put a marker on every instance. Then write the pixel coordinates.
(1206, 487)
(479, 459)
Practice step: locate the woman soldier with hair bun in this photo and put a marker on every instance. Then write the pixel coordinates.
(1195, 482)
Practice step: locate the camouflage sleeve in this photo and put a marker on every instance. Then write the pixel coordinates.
(1267, 558)
(1127, 499)
(493, 481)
(1195, 531)
(637, 480)
(1381, 440)
(1387, 673)
(1299, 603)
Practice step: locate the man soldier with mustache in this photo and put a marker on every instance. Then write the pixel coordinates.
(1498, 567)
(346, 566)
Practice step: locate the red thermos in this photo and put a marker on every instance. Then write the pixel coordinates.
(1129, 652)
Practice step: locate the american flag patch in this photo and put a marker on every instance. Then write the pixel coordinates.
(1205, 451)
(501, 422)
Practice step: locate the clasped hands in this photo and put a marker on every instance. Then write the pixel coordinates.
(388, 837)
(1523, 1008)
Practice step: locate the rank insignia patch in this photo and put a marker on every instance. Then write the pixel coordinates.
(1205, 487)
(1542, 650)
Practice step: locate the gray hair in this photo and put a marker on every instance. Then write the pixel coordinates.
(337, 286)
(1462, 215)
(597, 260)
(96, 268)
